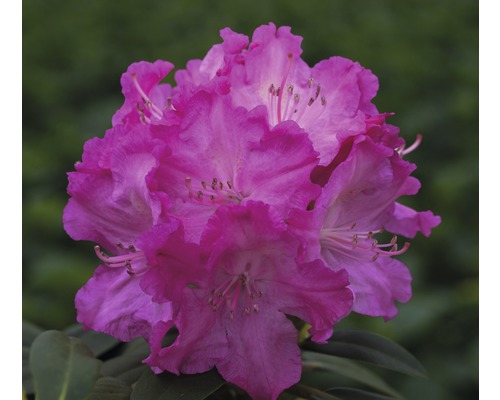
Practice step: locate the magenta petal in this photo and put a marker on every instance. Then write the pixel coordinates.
(112, 302)
(233, 42)
(174, 263)
(201, 342)
(112, 203)
(263, 356)
(406, 221)
(377, 285)
(317, 295)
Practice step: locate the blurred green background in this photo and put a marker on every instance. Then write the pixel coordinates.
(425, 54)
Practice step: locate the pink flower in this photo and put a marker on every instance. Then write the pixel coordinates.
(355, 207)
(257, 188)
(331, 101)
(222, 155)
(111, 205)
(145, 98)
(232, 314)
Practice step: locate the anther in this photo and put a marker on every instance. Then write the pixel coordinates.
(323, 101)
(214, 184)
(318, 89)
(289, 89)
(311, 100)
(310, 82)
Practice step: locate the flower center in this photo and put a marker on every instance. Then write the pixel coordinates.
(359, 245)
(134, 261)
(217, 192)
(285, 102)
(233, 289)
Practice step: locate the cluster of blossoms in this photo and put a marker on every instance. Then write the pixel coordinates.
(253, 190)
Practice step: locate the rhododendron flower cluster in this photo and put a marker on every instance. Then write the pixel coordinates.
(255, 189)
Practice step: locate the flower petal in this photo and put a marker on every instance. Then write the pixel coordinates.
(112, 302)
(113, 204)
(201, 342)
(406, 221)
(263, 356)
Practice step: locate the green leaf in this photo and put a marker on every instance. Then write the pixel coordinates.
(27, 378)
(356, 394)
(30, 332)
(347, 368)
(172, 387)
(369, 347)
(109, 388)
(99, 343)
(310, 393)
(123, 363)
(63, 367)
(132, 375)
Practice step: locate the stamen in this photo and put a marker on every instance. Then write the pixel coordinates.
(318, 89)
(149, 104)
(123, 261)
(283, 83)
(229, 292)
(359, 245)
(215, 193)
(416, 143)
